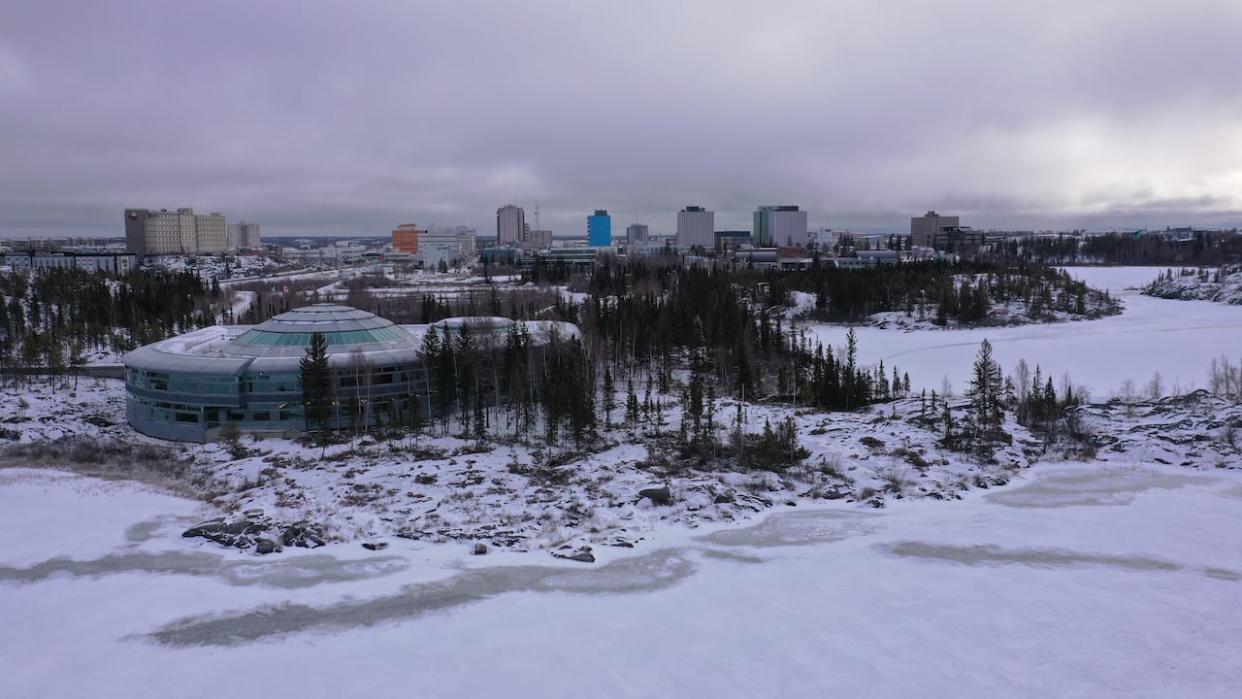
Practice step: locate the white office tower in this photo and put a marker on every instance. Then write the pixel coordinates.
(453, 245)
(780, 226)
(696, 227)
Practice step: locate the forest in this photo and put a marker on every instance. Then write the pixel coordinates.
(55, 317)
(963, 293)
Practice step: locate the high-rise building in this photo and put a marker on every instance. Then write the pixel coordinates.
(696, 226)
(510, 224)
(405, 238)
(244, 236)
(181, 232)
(931, 230)
(454, 245)
(637, 233)
(535, 240)
(599, 229)
(780, 226)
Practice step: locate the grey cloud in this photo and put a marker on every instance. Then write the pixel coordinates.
(352, 117)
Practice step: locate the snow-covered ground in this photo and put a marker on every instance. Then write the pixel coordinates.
(1176, 338)
(1111, 578)
(1078, 580)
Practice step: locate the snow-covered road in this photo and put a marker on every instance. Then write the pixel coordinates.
(1101, 580)
(1177, 338)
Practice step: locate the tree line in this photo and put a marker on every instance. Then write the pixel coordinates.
(53, 317)
(1156, 248)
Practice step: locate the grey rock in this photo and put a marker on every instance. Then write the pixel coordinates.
(582, 554)
(657, 496)
(266, 546)
(480, 549)
(836, 492)
(375, 545)
(240, 534)
(302, 535)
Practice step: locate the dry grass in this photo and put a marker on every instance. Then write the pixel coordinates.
(114, 460)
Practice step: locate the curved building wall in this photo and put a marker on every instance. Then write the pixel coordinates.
(188, 406)
(188, 387)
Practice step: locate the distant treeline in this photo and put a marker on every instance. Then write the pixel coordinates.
(963, 292)
(1202, 248)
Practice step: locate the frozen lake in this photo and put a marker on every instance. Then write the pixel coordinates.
(1176, 338)
(1104, 581)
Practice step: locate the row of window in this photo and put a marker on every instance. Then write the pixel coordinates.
(287, 415)
(261, 383)
(184, 383)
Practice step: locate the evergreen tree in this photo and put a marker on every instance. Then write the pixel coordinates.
(316, 377)
(609, 396)
(631, 404)
(986, 396)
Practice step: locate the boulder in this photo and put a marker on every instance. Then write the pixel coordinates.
(836, 492)
(657, 496)
(480, 549)
(581, 554)
(375, 545)
(303, 535)
(266, 546)
(240, 534)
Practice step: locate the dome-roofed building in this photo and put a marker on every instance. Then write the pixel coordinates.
(188, 387)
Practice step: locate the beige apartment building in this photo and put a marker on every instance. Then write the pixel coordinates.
(180, 232)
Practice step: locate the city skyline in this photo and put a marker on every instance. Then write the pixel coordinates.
(1042, 117)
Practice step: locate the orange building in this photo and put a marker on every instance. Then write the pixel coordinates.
(405, 238)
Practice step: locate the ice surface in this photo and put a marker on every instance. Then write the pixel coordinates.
(1103, 485)
(996, 555)
(975, 598)
(282, 572)
(653, 571)
(798, 529)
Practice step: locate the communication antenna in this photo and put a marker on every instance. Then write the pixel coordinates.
(537, 226)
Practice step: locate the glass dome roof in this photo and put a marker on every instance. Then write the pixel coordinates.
(340, 325)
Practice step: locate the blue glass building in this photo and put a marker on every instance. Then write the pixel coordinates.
(599, 229)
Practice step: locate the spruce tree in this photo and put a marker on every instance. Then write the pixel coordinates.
(609, 397)
(985, 392)
(317, 388)
(631, 404)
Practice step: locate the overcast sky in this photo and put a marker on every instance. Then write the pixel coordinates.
(319, 118)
